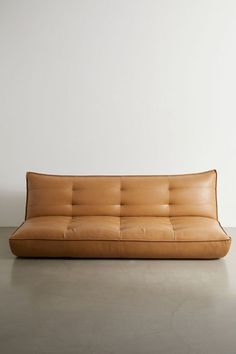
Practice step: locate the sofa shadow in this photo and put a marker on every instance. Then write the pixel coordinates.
(185, 278)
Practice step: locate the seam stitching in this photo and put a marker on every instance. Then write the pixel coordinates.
(92, 240)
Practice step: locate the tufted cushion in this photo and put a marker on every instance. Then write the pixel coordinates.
(182, 195)
(113, 228)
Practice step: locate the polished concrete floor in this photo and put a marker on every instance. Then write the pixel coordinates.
(116, 306)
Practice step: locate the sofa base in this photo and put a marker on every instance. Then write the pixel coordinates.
(120, 249)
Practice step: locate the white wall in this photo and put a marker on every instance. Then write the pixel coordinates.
(116, 87)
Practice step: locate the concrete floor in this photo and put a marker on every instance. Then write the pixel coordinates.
(116, 306)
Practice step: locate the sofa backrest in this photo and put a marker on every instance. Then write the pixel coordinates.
(174, 195)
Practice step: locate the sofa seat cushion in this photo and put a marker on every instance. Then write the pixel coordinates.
(171, 229)
(194, 228)
(125, 237)
(69, 228)
(43, 228)
(146, 229)
(110, 228)
(93, 228)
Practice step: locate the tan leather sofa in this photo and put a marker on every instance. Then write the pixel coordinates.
(121, 217)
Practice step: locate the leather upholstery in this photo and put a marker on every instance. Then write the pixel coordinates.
(121, 217)
(184, 195)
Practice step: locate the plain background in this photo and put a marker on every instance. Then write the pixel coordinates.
(116, 87)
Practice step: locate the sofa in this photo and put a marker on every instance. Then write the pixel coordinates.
(155, 217)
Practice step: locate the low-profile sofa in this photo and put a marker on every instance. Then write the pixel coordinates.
(121, 217)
